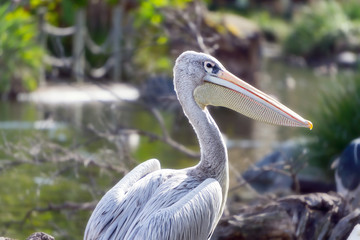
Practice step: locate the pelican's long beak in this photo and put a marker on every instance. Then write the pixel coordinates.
(226, 90)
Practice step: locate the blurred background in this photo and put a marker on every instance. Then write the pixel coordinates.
(86, 94)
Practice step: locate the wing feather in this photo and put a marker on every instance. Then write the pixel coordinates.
(193, 217)
(103, 216)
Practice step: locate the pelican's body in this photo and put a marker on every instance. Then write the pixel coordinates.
(347, 168)
(154, 203)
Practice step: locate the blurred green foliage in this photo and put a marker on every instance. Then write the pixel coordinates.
(317, 30)
(146, 32)
(51, 15)
(154, 46)
(148, 11)
(20, 55)
(336, 122)
(58, 12)
(274, 28)
(352, 9)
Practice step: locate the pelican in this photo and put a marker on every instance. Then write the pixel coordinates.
(154, 203)
(347, 179)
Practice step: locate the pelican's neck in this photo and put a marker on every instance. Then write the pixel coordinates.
(214, 159)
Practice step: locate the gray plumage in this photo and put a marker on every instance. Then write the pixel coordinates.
(154, 203)
(347, 177)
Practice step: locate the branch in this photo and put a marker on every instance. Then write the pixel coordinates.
(177, 146)
(311, 216)
(152, 136)
(39, 150)
(191, 21)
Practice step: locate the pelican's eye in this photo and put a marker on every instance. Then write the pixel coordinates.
(211, 67)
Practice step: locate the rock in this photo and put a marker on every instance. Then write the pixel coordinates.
(272, 174)
(347, 59)
(40, 236)
(311, 217)
(265, 176)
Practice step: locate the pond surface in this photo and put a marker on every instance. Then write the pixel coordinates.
(69, 122)
(248, 141)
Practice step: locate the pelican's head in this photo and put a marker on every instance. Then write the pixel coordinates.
(212, 84)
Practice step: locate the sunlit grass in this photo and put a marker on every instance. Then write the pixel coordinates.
(352, 9)
(336, 119)
(318, 29)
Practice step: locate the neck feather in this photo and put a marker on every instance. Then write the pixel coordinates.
(214, 159)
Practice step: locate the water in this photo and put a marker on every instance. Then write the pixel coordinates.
(92, 129)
